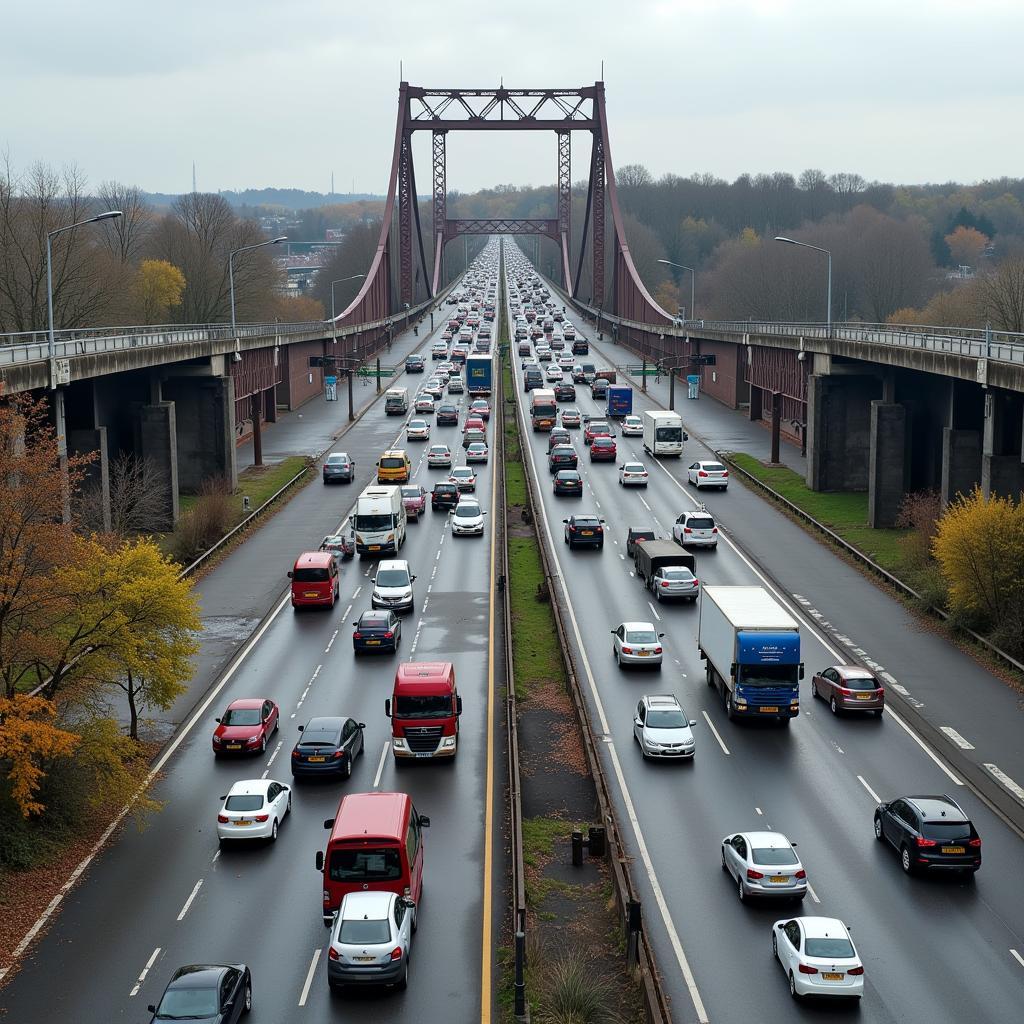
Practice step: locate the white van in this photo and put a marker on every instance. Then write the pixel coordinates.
(380, 520)
(396, 401)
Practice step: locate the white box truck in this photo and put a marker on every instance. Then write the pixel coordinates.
(379, 520)
(663, 433)
(752, 648)
(396, 401)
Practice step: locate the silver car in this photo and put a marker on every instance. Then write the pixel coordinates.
(368, 932)
(467, 519)
(696, 529)
(637, 643)
(764, 864)
(662, 729)
(671, 581)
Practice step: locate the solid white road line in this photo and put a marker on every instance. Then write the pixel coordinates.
(814, 895)
(721, 742)
(380, 766)
(654, 611)
(920, 742)
(874, 795)
(1016, 956)
(191, 897)
(309, 977)
(150, 962)
(956, 737)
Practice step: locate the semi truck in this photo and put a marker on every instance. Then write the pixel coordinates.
(620, 402)
(479, 374)
(663, 433)
(751, 646)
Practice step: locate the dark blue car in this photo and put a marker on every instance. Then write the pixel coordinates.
(328, 746)
(377, 631)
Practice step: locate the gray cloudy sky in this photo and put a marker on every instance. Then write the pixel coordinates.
(284, 93)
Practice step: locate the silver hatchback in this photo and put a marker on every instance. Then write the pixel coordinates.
(764, 864)
(637, 643)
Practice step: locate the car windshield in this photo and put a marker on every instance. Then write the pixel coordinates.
(467, 510)
(185, 1003)
(666, 720)
(337, 460)
(358, 932)
(369, 523)
(829, 949)
(774, 856)
(241, 716)
(244, 802)
(677, 574)
(392, 578)
(439, 706)
(767, 675)
(943, 831)
(700, 523)
(641, 636)
(311, 575)
(410, 492)
(381, 864)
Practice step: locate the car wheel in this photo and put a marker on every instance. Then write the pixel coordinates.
(273, 832)
(289, 811)
(247, 998)
(657, 596)
(905, 861)
(833, 705)
(792, 987)
(615, 653)
(277, 723)
(728, 705)
(879, 834)
(725, 867)
(740, 891)
(814, 690)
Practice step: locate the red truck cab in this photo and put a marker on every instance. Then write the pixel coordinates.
(424, 711)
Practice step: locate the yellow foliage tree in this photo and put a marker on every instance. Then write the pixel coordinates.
(28, 736)
(159, 286)
(966, 244)
(979, 545)
(749, 237)
(666, 295)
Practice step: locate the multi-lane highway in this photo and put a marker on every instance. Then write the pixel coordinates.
(934, 948)
(170, 896)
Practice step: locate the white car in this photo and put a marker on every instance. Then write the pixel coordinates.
(418, 430)
(566, 361)
(370, 940)
(707, 474)
(637, 643)
(662, 729)
(439, 455)
(456, 386)
(633, 474)
(253, 809)
(464, 477)
(553, 374)
(476, 452)
(439, 350)
(696, 529)
(819, 957)
(632, 426)
(424, 403)
(764, 864)
(569, 417)
(467, 519)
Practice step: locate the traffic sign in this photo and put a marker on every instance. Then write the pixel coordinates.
(330, 381)
(643, 371)
(367, 371)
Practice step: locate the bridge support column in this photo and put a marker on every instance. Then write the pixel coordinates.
(1002, 469)
(97, 475)
(205, 430)
(839, 431)
(156, 440)
(887, 467)
(961, 462)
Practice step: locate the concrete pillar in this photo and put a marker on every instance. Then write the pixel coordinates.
(961, 463)
(205, 430)
(839, 431)
(97, 474)
(156, 436)
(1002, 471)
(755, 410)
(887, 466)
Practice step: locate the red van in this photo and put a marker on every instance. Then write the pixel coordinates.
(424, 711)
(314, 580)
(376, 844)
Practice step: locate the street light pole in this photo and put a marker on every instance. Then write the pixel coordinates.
(828, 293)
(693, 283)
(231, 273)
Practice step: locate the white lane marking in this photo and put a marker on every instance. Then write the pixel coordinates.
(266, 772)
(759, 811)
(641, 843)
(1016, 956)
(334, 636)
(814, 895)
(179, 738)
(646, 506)
(277, 750)
(438, 555)
(145, 971)
(380, 765)
(622, 556)
(1005, 779)
(309, 977)
(721, 742)
(215, 856)
(356, 594)
(874, 795)
(956, 737)
(917, 739)
(191, 897)
(654, 610)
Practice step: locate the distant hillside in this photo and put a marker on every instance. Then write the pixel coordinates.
(286, 198)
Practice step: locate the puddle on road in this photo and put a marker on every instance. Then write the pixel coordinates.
(227, 627)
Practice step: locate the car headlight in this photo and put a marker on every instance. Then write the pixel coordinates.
(253, 739)
(391, 536)
(740, 701)
(399, 743)
(447, 742)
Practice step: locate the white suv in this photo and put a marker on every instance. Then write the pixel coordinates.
(696, 529)
(392, 586)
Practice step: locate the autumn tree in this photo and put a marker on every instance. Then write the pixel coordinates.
(966, 245)
(1000, 295)
(28, 738)
(158, 288)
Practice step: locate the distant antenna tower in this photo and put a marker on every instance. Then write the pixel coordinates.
(332, 183)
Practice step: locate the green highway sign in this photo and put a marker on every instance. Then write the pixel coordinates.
(643, 371)
(368, 371)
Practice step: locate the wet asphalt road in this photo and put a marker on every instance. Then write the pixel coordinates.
(933, 948)
(168, 896)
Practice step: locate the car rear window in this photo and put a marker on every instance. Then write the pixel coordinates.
(392, 463)
(829, 949)
(773, 856)
(700, 523)
(568, 474)
(945, 831)
(859, 682)
(320, 737)
(358, 932)
(244, 802)
(714, 467)
(380, 864)
(337, 460)
(410, 492)
(310, 575)
(677, 574)
(641, 636)
(587, 521)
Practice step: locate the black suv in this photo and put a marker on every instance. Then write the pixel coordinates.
(584, 531)
(930, 832)
(533, 377)
(562, 456)
(565, 393)
(414, 364)
(444, 495)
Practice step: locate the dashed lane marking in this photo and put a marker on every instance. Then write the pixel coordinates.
(309, 977)
(714, 731)
(191, 896)
(874, 795)
(380, 765)
(151, 961)
(1005, 779)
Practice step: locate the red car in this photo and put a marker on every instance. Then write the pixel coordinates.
(245, 727)
(473, 423)
(414, 498)
(602, 449)
(596, 428)
(482, 408)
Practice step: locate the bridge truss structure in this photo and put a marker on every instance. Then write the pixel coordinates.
(560, 111)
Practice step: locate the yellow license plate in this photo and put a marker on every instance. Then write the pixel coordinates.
(234, 746)
(586, 533)
(243, 821)
(769, 711)
(953, 849)
(779, 878)
(644, 654)
(375, 547)
(310, 593)
(864, 696)
(371, 643)
(832, 976)
(318, 759)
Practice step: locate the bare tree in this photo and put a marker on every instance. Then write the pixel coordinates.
(138, 497)
(125, 236)
(1001, 295)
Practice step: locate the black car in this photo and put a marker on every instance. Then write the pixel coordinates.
(532, 378)
(568, 481)
(414, 363)
(557, 436)
(635, 533)
(599, 388)
(565, 393)
(562, 456)
(445, 495)
(447, 415)
(580, 347)
(584, 531)
(930, 832)
(328, 746)
(377, 631)
(207, 993)
(339, 467)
